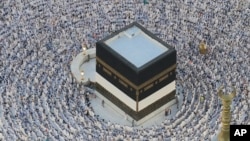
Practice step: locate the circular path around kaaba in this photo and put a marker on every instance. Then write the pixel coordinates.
(38, 40)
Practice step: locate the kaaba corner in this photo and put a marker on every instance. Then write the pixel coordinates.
(135, 70)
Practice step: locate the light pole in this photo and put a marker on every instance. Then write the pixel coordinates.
(82, 75)
(84, 49)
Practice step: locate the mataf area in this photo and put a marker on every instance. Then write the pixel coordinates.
(40, 99)
(135, 70)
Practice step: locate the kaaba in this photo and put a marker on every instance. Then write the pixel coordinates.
(135, 70)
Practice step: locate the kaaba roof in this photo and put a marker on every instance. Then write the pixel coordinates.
(136, 46)
(135, 53)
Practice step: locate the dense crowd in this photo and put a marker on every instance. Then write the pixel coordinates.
(38, 39)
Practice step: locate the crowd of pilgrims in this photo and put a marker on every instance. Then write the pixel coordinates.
(38, 39)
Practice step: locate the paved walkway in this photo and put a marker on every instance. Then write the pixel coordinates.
(109, 114)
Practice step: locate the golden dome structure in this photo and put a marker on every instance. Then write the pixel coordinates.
(203, 48)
